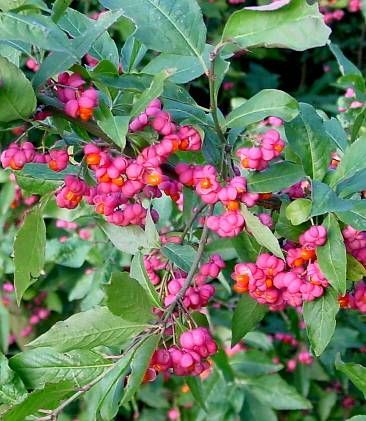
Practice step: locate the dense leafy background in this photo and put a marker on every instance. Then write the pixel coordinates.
(67, 273)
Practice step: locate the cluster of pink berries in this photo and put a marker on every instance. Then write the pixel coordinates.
(356, 299)
(84, 233)
(154, 263)
(32, 65)
(354, 6)
(123, 182)
(303, 357)
(351, 102)
(355, 242)
(16, 156)
(189, 359)
(279, 284)
(286, 338)
(205, 181)
(258, 157)
(234, 2)
(79, 101)
(196, 296)
(332, 16)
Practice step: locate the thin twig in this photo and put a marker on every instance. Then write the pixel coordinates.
(192, 219)
(192, 271)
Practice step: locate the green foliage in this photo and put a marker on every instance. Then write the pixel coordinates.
(297, 25)
(261, 233)
(181, 255)
(309, 140)
(29, 251)
(277, 177)
(39, 367)
(320, 319)
(12, 389)
(139, 364)
(299, 211)
(126, 298)
(88, 330)
(268, 102)
(332, 255)
(246, 316)
(88, 311)
(17, 98)
(355, 372)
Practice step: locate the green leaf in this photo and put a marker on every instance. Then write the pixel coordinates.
(44, 365)
(355, 270)
(320, 320)
(29, 251)
(186, 68)
(266, 103)
(326, 404)
(261, 233)
(138, 272)
(104, 397)
(126, 298)
(58, 9)
(115, 127)
(130, 239)
(36, 30)
(17, 98)
(247, 314)
(352, 164)
(6, 5)
(78, 47)
(246, 247)
(326, 200)
(181, 255)
(36, 186)
(175, 28)
(355, 372)
(332, 256)
(139, 365)
(195, 387)
(76, 24)
(356, 217)
(4, 328)
(7, 195)
(345, 66)
(43, 172)
(133, 51)
(12, 389)
(307, 137)
(276, 393)
(152, 92)
(277, 177)
(255, 410)
(87, 330)
(358, 124)
(72, 253)
(297, 25)
(253, 363)
(10, 53)
(47, 398)
(298, 211)
(151, 231)
(284, 228)
(334, 129)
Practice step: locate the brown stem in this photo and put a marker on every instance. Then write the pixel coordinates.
(192, 219)
(193, 269)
